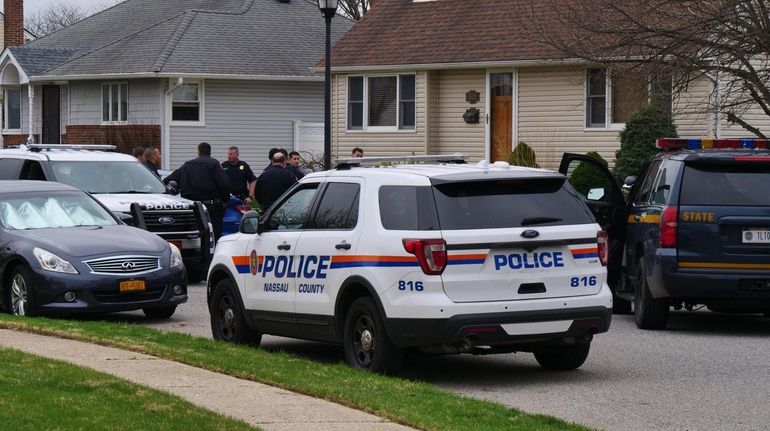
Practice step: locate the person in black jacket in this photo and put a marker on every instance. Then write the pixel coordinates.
(203, 179)
(274, 181)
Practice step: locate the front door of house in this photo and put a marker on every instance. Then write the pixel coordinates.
(51, 115)
(501, 118)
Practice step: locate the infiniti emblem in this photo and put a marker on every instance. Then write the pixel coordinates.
(166, 220)
(530, 233)
(128, 266)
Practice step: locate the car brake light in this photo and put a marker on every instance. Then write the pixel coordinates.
(603, 241)
(431, 254)
(668, 226)
(243, 209)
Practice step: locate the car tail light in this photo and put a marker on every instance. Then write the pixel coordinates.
(431, 253)
(243, 209)
(668, 226)
(603, 241)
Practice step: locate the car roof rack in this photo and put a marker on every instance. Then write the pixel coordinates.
(348, 162)
(40, 147)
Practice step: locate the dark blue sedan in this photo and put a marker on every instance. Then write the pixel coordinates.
(62, 252)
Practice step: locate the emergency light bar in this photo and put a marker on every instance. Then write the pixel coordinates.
(39, 147)
(698, 144)
(436, 158)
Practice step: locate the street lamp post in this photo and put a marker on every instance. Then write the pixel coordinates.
(328, 9)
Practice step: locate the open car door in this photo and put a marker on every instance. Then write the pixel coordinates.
(595, 183)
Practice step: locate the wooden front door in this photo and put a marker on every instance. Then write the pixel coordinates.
(501, 118)
(51, 115)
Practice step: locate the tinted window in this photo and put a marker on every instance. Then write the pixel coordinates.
(9, 169)
(730, 184)
(509, 203)
(661, 193)
(339, 207)
(293, 212)
(407, 208)
(32, 171)
(642, 194)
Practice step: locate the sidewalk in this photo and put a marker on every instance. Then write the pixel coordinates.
(259, 405)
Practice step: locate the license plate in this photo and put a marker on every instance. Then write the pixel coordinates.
(131, 285)
(178, 244)
(756, 236)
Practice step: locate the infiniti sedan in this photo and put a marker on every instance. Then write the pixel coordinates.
(62, 252)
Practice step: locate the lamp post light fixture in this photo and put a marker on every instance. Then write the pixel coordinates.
(328, 9)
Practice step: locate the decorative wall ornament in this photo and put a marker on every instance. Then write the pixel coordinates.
(472, 97)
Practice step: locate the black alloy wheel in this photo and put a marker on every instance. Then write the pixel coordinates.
(227, 318)
(367, 346)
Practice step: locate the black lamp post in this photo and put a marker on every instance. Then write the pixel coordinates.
(328, 9)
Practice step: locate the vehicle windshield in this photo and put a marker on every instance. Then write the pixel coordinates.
(107, 176)
(42, 211)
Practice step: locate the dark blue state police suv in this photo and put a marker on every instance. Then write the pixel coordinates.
(61, 251)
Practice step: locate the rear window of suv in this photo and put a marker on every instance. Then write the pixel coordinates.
(509, 203)
(726, 184)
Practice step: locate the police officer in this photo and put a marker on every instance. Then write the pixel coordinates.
(203, 179)
(273, 181)
(239, 174)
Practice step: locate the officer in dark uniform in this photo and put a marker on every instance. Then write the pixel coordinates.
(273, 181)
(203, 179)
(151, 157)
(239, 174)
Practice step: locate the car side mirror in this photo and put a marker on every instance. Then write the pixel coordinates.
(249, 223)
(172, 187)
(125, 218)
(629, 181)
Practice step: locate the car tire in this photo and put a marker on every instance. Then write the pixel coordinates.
(562, 358)
(227, 317)
(367, 346)
(159, 312)
(649, 313)
(21, 294)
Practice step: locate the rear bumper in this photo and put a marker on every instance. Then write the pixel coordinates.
(667, 280)
(518, 328)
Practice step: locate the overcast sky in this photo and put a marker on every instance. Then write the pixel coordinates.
(36, 6)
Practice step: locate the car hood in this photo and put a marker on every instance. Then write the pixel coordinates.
(122, 202)
(95, 240)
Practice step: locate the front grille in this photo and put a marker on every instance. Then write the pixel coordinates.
(123, 265)
(165, 221)
(114, 296)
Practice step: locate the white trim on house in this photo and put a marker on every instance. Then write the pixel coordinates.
(121, 114)
(201, 105)
(5, 109)
(139, 75)
(23, 78)
(514, 109)
(365, 127)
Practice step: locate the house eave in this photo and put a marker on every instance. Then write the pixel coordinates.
(456, 65)
(141, 75)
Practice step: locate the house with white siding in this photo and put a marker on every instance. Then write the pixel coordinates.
(171, 73)
(446, 76)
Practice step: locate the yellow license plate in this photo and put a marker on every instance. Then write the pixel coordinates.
(131, 285)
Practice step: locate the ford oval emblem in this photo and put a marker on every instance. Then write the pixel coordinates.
(166, 220)
(530, 234)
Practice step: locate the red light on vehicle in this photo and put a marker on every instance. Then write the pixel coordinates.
(671, 143)
(431, 254)
(603, 241)
(669, 221)
(243, 208)
(751, 159)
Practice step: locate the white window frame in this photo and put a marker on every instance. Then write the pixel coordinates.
(201, 106)
(5, 109)
(120, 113)
(608, 123)
(380, 129)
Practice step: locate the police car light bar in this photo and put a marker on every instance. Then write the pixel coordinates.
(39, 147)
(437, 158)
(698, 143)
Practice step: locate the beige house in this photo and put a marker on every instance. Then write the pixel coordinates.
(426, 77)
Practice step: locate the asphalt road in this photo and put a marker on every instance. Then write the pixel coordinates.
(708, 371)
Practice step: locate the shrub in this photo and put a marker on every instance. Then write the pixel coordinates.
(585, 177)
(523, 155)
(637, 140)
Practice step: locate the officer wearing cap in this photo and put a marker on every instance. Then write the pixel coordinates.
(240, 176)
(203, 179)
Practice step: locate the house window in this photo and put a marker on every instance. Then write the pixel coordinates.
(611, 99)
(115, 102)
(186, 104)
(12, 110)
(381, 102)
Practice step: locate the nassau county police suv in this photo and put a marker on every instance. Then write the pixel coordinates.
(444, 258)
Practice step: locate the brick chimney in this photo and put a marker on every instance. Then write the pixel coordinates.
(14, 22)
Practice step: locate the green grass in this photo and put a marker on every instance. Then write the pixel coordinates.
(43, 394)
(411, 403)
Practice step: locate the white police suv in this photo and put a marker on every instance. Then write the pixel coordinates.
(443, 257)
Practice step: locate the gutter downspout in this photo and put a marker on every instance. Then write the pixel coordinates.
(31, 98)
(717, 99)
(166, 123)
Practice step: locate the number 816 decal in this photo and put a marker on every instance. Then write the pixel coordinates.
(582, 281)
(410, 286)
